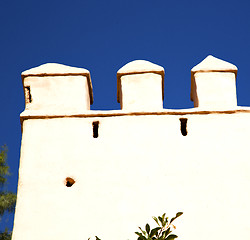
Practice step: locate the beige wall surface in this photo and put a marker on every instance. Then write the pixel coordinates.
(137, 167)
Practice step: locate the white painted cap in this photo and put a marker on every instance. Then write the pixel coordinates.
(211, 64)
(138, 67)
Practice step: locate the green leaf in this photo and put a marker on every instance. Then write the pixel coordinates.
(172, 236)
(155, 218)
(172, 219)
(177, 215)
(164, 235)
(147, 227)
(139, 234)
(164, 223)
(144, 233)
(142, 238)
(168, 231)
(154, 232)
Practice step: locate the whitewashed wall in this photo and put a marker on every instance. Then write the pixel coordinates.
(139, 164)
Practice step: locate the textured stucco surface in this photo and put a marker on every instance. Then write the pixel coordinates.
(215, 90)
(142, 92)
(139, 166)
(69, 94)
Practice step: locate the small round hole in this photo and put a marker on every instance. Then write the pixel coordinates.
(69, 182)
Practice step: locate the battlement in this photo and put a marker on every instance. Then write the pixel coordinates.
(52, 88)
(87, 173)
(213, 84)
(140, 86)
(56, 87)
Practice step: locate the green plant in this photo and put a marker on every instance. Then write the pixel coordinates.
(96, 238)
(6, 235)
(7, 198)
(162, 232)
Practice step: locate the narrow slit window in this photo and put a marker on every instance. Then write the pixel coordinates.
(183, 122)
(28, 97)
(95, 129)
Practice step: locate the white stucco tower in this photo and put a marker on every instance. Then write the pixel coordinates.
(87, 173)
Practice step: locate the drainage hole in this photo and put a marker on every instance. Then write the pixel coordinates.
(69, 182)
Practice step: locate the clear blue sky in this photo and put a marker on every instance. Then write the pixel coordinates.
(102, 36)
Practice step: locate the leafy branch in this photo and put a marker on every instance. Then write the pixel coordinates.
(162, 232)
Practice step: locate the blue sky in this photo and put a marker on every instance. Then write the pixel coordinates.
(102, 36)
